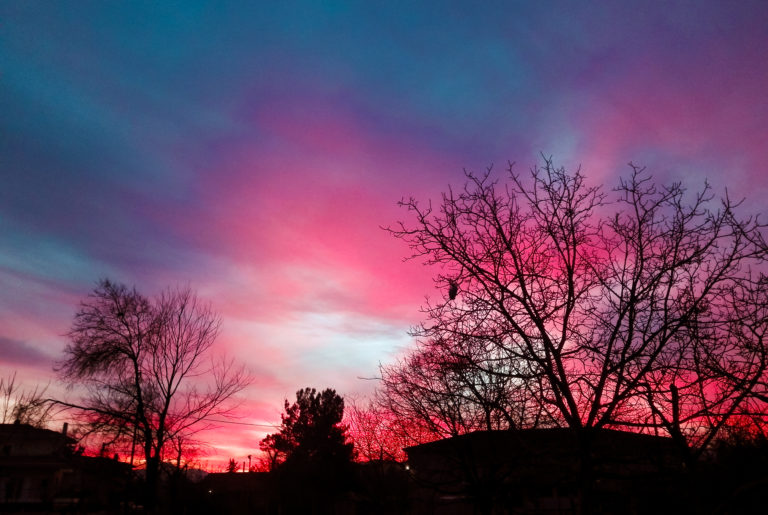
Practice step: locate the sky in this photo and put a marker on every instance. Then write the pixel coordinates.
(253, 151)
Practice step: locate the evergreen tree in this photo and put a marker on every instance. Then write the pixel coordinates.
(311, 455)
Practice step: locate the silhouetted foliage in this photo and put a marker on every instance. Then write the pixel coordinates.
(567, 308)
(311, 431)
(311, 454)
(144, 366)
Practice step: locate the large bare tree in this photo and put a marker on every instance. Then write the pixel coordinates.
(146, 369)
(643, 308)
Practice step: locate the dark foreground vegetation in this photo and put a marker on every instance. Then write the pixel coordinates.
(517, 472)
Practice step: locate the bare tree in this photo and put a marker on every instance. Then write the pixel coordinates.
(646, 312)
(375, 432)
(718, 382)
(23, 406)
(146, 370)
(451, 387)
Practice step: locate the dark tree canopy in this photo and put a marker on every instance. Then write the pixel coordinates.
(566, 305)
(311, 456)
(311, 431)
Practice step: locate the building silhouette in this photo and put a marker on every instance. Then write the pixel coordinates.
(42, 471)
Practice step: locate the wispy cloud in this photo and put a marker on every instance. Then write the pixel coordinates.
(17, 352)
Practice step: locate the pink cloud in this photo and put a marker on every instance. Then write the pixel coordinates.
(297, 220)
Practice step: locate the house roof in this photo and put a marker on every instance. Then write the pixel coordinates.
(28, 430)
(553, 440)
(24, 433)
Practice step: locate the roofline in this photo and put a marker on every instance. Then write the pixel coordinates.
(540, 430)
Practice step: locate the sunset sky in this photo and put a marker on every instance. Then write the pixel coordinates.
(253, 152)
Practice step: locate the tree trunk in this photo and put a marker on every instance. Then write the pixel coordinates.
(151, 469)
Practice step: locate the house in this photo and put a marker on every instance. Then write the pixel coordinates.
(40, 471)
(553, 471)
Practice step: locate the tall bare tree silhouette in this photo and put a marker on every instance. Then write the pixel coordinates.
(567, 305)
(146, 371)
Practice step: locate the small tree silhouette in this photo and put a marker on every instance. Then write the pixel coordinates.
(311, 450)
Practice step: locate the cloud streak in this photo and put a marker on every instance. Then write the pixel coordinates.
(16, 352)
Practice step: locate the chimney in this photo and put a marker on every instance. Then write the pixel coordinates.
(64, 429)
